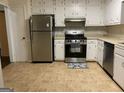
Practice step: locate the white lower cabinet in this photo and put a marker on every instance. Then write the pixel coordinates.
(100, 52)
(59, 50)
(91, 50)
(119, 69)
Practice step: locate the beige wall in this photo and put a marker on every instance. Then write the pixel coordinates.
(4, 2)
(26, 4)
(117, 31)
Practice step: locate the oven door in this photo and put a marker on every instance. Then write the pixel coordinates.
(75, 52)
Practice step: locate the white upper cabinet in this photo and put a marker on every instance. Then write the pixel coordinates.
(59, 13)
(95, 13)
(70, 8)
(42, 7)
(37, 7)
(48, 6)
(114, 13)
(61, 8)
(80, 8)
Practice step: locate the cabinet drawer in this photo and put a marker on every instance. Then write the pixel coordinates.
(59, 41)
(119, 51)
(91, 41)
(119, 70)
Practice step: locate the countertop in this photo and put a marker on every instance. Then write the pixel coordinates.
(109, 39)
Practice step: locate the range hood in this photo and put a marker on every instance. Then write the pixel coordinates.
(75, 22)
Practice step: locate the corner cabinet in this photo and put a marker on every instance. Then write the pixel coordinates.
(114, 12)
(59, 50)
(91, 50)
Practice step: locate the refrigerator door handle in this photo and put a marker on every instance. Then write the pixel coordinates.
(47, 25)
(31, 36)
(31, 27)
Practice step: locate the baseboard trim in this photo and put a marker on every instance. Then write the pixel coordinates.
(42, 61)
(21, 62)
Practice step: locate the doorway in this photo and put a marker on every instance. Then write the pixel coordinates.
(5, 59)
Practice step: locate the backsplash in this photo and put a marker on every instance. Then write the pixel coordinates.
(117, 31)
(90, 31)
(95, 31)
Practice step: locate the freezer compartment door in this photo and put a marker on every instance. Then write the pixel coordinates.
(42, 46)
(42, 23)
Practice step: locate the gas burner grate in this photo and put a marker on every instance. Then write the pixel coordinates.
(77, 65)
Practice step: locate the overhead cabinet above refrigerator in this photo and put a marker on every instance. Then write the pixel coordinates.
(42, 38)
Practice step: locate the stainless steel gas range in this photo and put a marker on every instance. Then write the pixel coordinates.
(75, 41)
(75, 46)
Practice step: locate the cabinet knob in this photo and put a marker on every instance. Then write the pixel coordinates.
(23, 38)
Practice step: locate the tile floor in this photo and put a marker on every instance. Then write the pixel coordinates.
(56, 77)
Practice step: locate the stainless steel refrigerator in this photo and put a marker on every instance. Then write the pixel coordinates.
(42, 27)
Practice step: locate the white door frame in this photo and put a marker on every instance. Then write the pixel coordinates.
(11, 28)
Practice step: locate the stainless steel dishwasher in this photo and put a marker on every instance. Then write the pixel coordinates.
(108, 60)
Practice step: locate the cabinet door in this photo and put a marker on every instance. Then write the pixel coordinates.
(92, 50)
(70, 9)
(113, 12)
(108, 12)
(100, 52)
(90, 54)
(59, 50)
(117, 11)
(116, 14)
(95, 13)
(37, 7)
(100, 55)
(48, 6)
(59, 16)
(80, 8)
(119, 70)
(93, 2)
